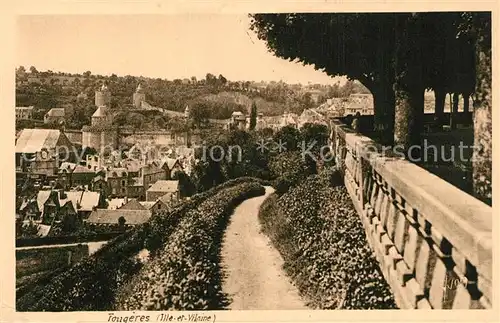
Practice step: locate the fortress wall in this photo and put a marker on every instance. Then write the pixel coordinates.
(74, 136)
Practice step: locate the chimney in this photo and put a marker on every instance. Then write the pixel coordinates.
(62, 194)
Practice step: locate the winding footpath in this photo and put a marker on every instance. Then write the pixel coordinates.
(254, 278)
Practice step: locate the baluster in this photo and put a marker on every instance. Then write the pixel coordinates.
(380, 197)
(426, 259)
(384, 208)
(401, 227)
(443, 285)
(391, 216)
(374, 190)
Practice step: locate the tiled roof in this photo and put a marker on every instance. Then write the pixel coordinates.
(167, 198)
(165, 186)
(82, 200)
(133, 204)
(82, 169)
(147, 204)
(150, 169)
(34, 140)
(69, 167)
(104, 216)
(89, 200)
(56, 112)
(115, 204)
(170, 162)
(42, 197)
(100, 112)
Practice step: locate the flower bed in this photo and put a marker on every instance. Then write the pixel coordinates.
(322, 240)
(91, 285)
(186, 275)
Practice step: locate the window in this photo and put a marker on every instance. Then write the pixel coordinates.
(96, 158)
(123, 183)
(123, 190)
(124, 174)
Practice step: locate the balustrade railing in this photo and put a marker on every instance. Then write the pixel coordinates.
(432, 240)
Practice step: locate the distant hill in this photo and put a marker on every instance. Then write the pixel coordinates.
(47, 89)
(268, 108)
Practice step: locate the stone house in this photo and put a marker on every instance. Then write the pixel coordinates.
(150, 174)
(24, 113)
(171, 166)
(54, 115)
(155, 206)
(135, 188)
(99, 184)
(71, 174)
(118, 181)
(161, 189)
(38, 151)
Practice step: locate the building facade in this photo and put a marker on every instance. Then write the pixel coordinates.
(24, 113)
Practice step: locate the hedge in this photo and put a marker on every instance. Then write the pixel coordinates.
(186, 274)
(322, 240)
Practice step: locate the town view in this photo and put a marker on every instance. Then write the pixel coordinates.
(348, 167)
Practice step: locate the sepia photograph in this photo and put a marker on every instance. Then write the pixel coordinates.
(255, 161)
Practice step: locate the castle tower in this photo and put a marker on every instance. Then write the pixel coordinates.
(103, 97)
(138, 97)
(100, 118)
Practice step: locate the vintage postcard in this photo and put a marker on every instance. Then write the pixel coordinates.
(224, 162)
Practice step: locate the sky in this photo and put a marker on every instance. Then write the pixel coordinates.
(165, 46)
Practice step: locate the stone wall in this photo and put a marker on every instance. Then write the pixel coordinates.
(432, 240)
(74, 136)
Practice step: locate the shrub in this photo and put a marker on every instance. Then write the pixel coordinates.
(186, 275)
(322, 240)
(288, 169)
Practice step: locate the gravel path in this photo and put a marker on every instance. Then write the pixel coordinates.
(254, 278)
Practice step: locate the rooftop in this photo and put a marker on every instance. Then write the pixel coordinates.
(104, 216)
(170, 162)
(165, 186)
(34, 140)
(147, 205)
(56, 112)
(100, 112)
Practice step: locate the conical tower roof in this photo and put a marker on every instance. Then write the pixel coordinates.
(100, 112)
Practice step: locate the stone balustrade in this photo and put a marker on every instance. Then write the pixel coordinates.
(432, 240)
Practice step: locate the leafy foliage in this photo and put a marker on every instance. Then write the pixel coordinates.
(322, 240)
(185, 275)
